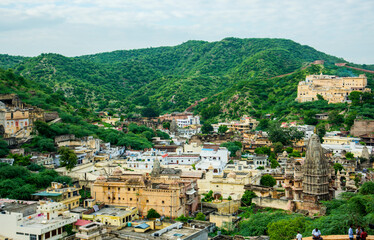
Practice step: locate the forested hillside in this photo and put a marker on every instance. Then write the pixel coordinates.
(77, 121)
(236, 75)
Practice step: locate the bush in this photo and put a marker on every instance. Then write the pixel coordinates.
(286, 229)
(152, 214)
(200, 216)
(268, 180)
(367, 188)
(182, 218)
(246, 199)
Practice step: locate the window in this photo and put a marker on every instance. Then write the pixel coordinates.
(133, 189)
(147, 201)
(163, 202)
(32, 237)
(108, 197)
(119, 189)
(128, 189)
(130, 199)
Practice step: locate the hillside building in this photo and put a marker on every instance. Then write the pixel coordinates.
(213, 158)
(230, 183)
(58, 192)
(162, 190)
(245, 125)
(332, 88)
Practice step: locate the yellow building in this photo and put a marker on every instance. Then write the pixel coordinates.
(334, 89)
(245, 124)
(338, 140)
(113, 216)
(170, 197)
(63, 194)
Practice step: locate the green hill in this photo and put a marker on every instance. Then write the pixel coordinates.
(236, 74)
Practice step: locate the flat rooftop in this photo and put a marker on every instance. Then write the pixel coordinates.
(112, 211)
(181, 233)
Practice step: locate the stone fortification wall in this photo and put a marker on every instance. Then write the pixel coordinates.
(361, 127)
(272, 203)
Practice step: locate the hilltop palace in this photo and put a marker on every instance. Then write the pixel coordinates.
(332, 88)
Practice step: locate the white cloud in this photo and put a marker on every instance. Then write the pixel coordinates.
(29, 27)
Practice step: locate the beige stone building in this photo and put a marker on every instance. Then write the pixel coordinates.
(17, 118)
(245, 125)
(169, 196)
(230, 183)
(332, 88)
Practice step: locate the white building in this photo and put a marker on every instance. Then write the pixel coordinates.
(354, 148)
(145, 160)
(308, 130)
(190, 120)
(45, 224)
(214, 158)
(182, 159)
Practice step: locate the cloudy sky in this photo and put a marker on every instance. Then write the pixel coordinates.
(344, 28)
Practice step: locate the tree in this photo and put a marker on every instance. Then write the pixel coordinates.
(367, 188)
(149, 112)
(338, 167)
(349, 156)
(263, 125)
(166, 125)
(321, 131)
(286, 229)
(294, 153)
(233, 147)
(284, 135)
(4, 151)
(268, 180)
(222, 129)
(247, 197)
(229, 198)
(210, 111)
(208, 197)
(278, 147)
(263, 150)
(68, 158)
(206, 128)
(182, 218)
(200, 216)
(335, 118)
(274, 163)
(289, 150)
(152, 214)
(20, 160)
(193, 165)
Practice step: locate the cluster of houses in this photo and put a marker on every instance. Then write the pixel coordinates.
(174, 176)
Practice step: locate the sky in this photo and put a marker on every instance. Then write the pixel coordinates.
(343, 28)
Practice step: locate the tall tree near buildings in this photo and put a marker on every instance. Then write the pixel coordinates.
(206, 128)
(68, 158)
(222, 129)
(4, 151)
